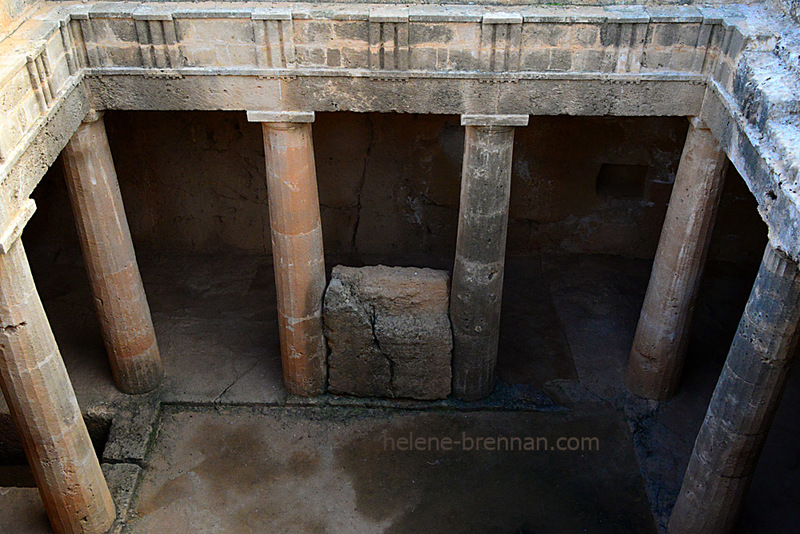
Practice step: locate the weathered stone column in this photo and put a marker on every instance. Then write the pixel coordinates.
(662, 334)
(475, 297)
(743, 404)
(119, 298)
(297, 252)
(43, 405)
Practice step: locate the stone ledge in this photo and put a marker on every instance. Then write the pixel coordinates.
(495, 120)
(280, 116)
(271, 14)
(502, 18)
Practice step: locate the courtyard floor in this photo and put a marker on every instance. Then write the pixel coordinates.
(222, 448)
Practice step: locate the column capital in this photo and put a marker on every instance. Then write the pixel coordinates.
(94, 115)
(15, 225)
(494, 120)
(280, 116)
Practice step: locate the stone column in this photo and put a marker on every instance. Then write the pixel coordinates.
(43, 405)
(662, 334)
(297, 251)
(477, 288)
(119, 298)
(743, 404)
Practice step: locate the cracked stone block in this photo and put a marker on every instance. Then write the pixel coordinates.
(389, 333)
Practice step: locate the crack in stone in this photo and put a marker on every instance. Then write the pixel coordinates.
(373, 315)
(218, 400)
(357, 223)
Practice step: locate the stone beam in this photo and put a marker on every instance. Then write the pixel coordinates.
(662, 334)
(439, 93)
(297, 251)
(477, 288)
(744, 402)
(119, 297)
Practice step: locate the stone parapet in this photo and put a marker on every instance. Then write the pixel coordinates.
(613, 39)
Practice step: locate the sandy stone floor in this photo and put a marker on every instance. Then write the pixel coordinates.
(334, 470)
(229, 451)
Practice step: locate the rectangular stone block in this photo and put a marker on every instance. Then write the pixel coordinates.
(430, 33)
(309, 32)
(671, 34)
(537, 60)
(388, 330)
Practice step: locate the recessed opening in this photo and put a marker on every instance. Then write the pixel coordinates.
(14, 469)
(617, 180)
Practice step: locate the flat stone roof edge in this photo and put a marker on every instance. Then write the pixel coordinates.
(434, 12)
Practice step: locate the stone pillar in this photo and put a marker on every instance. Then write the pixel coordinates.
(297, 251)
(119, 298)
(662, 334)
(743, 404)
(43, 406)
(475, 297)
